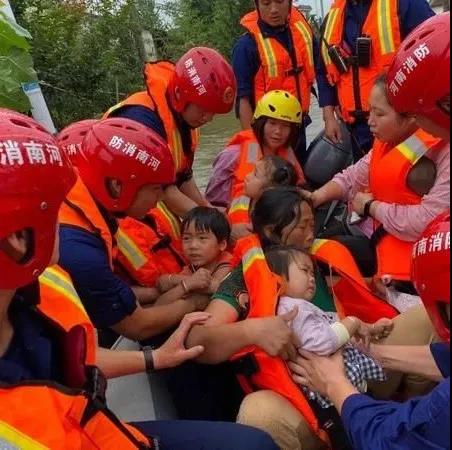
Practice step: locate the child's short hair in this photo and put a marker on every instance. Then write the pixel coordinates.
(279, 259)
(208, 220)
(284, 173)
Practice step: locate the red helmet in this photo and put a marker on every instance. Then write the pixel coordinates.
(70, 139)
(203, 77)
(419, 78)
(431, 272)
(35, 178)
(127, 151)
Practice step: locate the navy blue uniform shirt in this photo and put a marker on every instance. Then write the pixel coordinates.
(32, 354)
(143, 115)
(151, 119)
(419, 424)
(441, 353)
(107, 299)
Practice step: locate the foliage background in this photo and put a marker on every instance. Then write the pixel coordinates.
(16, 65)
(89, 53)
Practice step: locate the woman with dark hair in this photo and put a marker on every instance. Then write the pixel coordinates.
(396, 190)
(282, 216)
(275, 130)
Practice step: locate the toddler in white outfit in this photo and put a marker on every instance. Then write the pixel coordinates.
(319, 332)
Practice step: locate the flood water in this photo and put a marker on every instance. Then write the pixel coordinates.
(216, 135)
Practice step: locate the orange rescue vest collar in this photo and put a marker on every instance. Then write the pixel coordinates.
(277, 69)
(149, 250)
(60, 302)
(81, 211)
(157, 77)
(352, 295)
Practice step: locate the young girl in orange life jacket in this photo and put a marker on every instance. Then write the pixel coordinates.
(275, 130)
(205, 239)
(319, 332)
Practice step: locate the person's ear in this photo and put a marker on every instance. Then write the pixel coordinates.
(410, 121)
(177, 94)
(282, 286)
(223, 246)
(16, 245)
(114, 188)
(268, 230)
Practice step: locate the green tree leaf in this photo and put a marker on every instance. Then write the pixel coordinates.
(16, 65)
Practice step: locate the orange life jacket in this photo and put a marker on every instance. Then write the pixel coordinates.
(158, 76)
(151, 247)
(264, 288)
(383, 26)
(79, 210)
(46, 415)
(250, 154)
(278, 70)
(352, 295)
(389, 170)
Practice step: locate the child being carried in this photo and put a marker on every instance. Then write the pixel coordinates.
(319, 332)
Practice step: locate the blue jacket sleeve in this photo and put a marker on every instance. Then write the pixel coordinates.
(412, 14)
(107, 299)
(419, 424)
(144, 116)
(246, 63)
(441, 353)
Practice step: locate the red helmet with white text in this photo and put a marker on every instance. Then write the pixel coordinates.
(35, 178)
(419, 78)
(431, 273)
(204, 78)
(70, 139)
(125, 151)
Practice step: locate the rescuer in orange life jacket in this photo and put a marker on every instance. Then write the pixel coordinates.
(52, 394)
(359, 40)
(123, 167)
(422, 91)
(179, 99)
(276, 53)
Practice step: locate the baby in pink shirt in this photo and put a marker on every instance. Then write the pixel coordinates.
(319, 332)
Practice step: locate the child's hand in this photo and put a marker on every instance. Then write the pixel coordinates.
(382, 329)
(199, 281)
(364, 334)
(367, 332)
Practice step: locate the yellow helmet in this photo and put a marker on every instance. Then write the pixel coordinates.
(279, 105)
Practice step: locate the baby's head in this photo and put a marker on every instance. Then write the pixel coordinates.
(297, 269)
(205, 236)
(269, 172)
